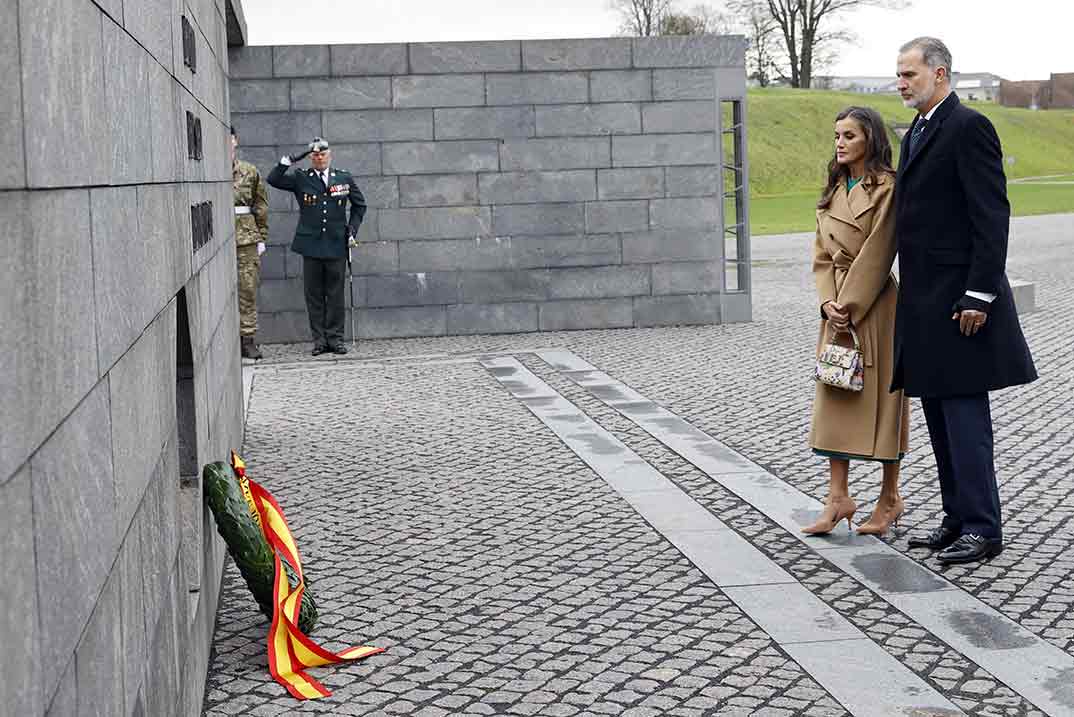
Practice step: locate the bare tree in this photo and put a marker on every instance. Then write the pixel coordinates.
(826, 53)
(763, 44)
(680, 24)
(713, 21)
(786, 14)
(641, 18)
(803, 27)
(698, 20)
(675, 23)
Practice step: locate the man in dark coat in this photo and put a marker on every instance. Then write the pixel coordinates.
(957, 335)
(323, 237)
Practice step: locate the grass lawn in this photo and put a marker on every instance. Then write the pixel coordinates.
(783, 213)
(1051, 179)
(796, 212)
(1029, 199)
(790, 144)
(790, 136)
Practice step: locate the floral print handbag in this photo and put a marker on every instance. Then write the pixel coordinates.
(842, 366)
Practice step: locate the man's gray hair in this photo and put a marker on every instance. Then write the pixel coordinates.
(934, 52)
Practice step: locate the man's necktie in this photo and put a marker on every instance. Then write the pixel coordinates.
(915, 136)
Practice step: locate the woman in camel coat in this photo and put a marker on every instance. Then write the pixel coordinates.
(852, 258)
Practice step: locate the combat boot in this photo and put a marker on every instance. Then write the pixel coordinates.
(250, 349)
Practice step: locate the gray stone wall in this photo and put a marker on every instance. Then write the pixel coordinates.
(119, 368)
(513, 186)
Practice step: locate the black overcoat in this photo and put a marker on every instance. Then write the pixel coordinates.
(323, 226)
(951, 222)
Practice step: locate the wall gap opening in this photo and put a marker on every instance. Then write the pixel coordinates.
(190, 489)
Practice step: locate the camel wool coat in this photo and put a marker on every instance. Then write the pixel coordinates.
(852, 258)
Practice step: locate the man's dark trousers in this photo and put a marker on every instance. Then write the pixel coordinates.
(324, 281)
(961, 431)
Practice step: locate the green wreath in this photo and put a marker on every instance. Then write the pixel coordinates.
(247, 545)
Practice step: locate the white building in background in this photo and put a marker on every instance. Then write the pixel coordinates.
(863, 84)
(973, 86)
(980, 86)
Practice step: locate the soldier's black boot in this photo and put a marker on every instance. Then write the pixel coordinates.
(250, 349)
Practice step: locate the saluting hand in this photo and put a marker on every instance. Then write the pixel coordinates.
(969, 321)
(837, 315)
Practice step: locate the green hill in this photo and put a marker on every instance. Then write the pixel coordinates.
(790, 145)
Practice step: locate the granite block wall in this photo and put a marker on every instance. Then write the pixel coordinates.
(106, 308)
(513, 186)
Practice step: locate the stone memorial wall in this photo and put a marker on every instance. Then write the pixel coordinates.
(513, 186)
(118, 350)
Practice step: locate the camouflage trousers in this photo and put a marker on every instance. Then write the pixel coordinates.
(249, 278)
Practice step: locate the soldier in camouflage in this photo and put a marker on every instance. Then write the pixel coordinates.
(251, 233)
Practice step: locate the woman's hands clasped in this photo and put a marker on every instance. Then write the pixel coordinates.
(837, 315)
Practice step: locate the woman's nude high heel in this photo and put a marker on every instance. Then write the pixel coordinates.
(885, 516)
(838, 508)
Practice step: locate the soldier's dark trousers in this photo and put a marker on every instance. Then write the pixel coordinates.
(324, 281)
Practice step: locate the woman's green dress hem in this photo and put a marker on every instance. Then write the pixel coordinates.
(852, 457)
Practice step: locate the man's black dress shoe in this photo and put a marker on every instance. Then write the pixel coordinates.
(970, 548)
(339, 349)
(936, 539)
(319, 349)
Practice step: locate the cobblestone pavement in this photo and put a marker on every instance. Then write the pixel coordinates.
(971, 688)
(441, 520)
(502, 574)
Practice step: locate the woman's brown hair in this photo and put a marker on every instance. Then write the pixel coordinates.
(877, 152)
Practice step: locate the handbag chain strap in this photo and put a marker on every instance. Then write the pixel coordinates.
(853, 334)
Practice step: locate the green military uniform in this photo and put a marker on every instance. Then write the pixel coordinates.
(251, 227)
(321, 238)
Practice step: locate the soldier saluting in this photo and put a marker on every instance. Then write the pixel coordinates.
(322, 237)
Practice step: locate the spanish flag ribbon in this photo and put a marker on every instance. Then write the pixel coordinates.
(290, 651)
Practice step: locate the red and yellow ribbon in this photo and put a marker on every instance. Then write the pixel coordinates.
(290, 651)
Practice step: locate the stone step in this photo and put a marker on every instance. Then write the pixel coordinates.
(1025, 296)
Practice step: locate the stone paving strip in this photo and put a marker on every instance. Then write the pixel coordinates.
(1033, 667)
(821, 640)
(969, 686)
(440, 519)
(305, 363)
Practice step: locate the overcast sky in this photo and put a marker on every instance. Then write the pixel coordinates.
(1020, 40)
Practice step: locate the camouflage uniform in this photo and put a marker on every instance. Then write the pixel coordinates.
(250, 229)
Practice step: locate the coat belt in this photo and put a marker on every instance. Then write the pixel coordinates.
(842, 260)
(243, 210)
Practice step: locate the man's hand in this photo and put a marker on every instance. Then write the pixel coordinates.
(969, 321)
(352, 240)
(837, 315)
(292, 158)
(260, 248)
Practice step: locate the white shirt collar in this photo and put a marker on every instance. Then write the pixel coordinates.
(931, 112)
